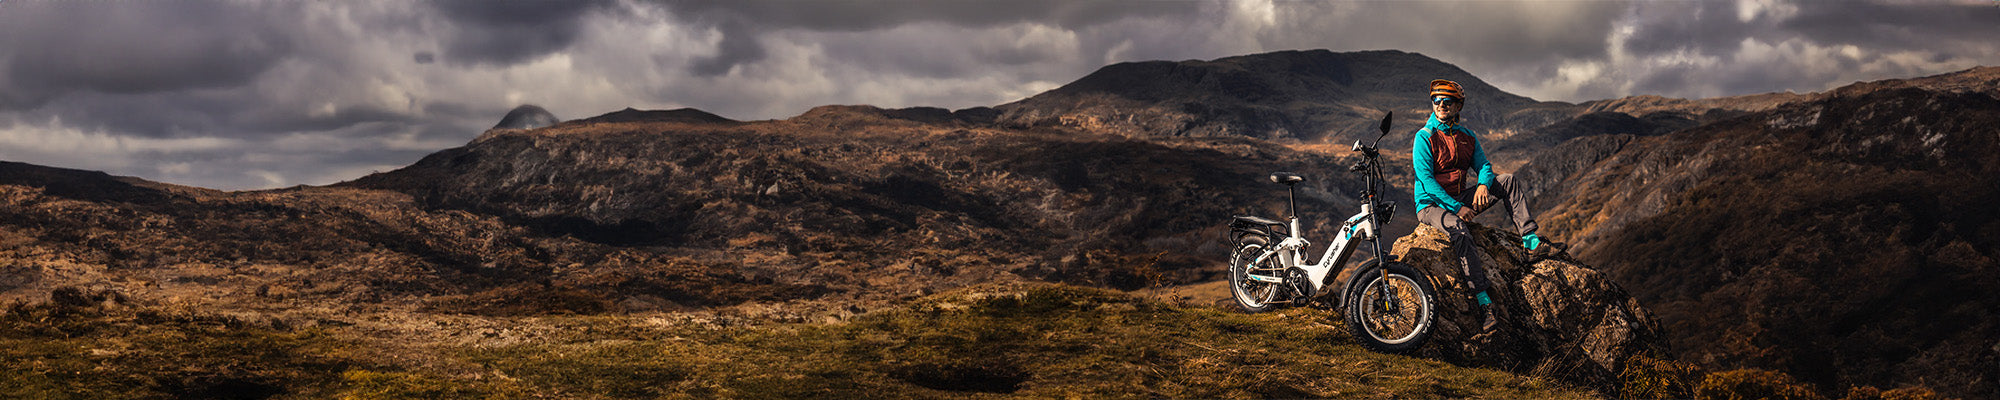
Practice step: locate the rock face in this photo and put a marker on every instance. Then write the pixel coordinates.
(1560, 318)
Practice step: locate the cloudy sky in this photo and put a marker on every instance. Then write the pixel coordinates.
(249, 95)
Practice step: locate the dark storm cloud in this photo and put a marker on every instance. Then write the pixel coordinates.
(222, 94)
(51, 49)
(507, 32)
(1487, 38)
(742, 21)
(1709, 27)
(1957, 28)
(738, 45)
(235, 114)
(1497, 31)
(859, 15)
(1710, 48)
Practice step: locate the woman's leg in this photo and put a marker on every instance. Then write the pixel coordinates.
(1461, 244)
(1514, 199)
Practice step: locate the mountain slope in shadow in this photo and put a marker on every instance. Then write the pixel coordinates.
(1848, 238)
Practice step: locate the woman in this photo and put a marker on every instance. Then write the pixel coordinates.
(1454, 183)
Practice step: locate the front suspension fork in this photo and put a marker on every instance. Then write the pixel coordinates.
(1390, 300)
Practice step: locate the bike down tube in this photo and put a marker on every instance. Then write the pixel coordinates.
(1342, 248)
(1356, 225)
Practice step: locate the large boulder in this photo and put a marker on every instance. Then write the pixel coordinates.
(1560, 318)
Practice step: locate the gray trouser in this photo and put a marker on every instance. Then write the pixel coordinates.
(1515, 202)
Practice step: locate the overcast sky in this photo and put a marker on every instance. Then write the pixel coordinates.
(248, 95)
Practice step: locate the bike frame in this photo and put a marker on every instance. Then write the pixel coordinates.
(1361, 226)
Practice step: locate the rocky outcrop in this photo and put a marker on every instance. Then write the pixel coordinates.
(1562, 319)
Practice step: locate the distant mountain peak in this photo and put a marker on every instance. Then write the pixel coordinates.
(1307, 95)
(684, 115)
(928, 115)
(527, 116)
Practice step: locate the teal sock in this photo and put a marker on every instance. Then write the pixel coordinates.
(1483, 300)
(1531, 241)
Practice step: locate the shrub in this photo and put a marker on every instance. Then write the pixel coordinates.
(1650, 378)
(1750, 384)
(1908, 393)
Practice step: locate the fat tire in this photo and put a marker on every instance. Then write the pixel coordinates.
(1353, 309)
(1248, 247)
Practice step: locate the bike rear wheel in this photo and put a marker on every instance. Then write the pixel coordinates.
(1253, 296)
(1392, 313)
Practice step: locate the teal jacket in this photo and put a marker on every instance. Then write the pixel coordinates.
(1429, 192)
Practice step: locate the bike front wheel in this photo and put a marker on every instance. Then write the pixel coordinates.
(1390, 312)
(1252, 295)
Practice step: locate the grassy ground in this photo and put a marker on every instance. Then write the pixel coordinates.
(1037, 341)
(1046, 341)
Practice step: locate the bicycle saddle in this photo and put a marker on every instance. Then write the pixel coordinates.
(1286, 178)
(1257, 220)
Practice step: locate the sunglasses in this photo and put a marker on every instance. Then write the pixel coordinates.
(1444, 101)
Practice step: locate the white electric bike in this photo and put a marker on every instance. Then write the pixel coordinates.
(1388, 304)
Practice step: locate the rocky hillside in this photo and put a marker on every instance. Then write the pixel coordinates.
(876, 203)
(324, 248)
(1848, 238)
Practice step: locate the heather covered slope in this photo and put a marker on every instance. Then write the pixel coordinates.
(1849, 239)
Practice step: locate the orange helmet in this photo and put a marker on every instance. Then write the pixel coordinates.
(1442, 87)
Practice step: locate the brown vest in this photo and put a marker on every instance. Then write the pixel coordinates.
(1453, 155)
